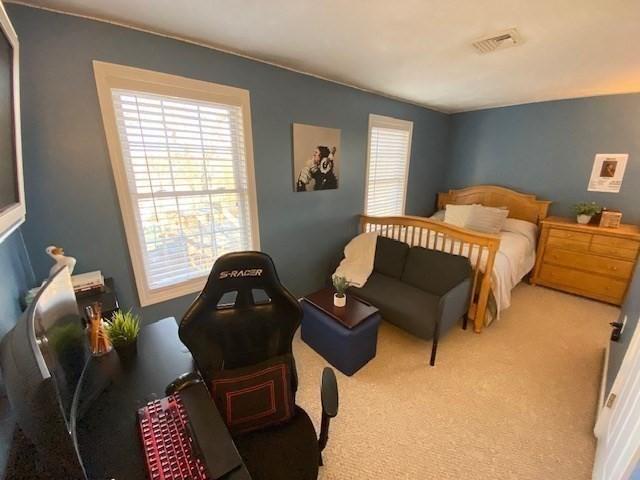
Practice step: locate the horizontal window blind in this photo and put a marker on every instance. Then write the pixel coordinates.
(389, 148)
(187, 179)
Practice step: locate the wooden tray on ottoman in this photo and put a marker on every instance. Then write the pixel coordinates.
(350, 316)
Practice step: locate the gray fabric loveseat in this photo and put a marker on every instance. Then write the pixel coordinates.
(424, 292)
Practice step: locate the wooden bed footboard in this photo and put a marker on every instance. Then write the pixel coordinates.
(480, 248)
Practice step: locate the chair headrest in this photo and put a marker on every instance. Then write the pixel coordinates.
(242, 272)
(248, 331)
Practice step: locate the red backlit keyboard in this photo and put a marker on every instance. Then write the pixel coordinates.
(170, 451)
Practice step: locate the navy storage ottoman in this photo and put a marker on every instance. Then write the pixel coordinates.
(347, 349)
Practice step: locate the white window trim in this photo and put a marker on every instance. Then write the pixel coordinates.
(388, 122)
(14, 215)
(109, 76)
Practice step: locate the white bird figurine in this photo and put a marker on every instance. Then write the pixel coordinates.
(57, 253)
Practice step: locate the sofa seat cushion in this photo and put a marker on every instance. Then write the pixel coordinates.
(433, 271)
(390, 257)
(409, 308)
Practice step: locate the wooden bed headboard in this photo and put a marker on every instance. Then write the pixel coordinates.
(521, 205)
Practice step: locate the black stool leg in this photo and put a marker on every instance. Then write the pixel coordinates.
(465, 319)
(434, 347)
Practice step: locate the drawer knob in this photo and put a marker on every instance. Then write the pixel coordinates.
(615, 269)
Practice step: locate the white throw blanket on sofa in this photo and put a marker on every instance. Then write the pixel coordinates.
(359, 254)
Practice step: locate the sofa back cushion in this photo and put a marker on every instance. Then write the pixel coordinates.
(390, 257)
(433, 271)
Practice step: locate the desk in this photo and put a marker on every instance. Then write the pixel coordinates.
(107, 429)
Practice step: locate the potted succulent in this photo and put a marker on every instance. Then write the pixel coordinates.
(584, 211)
(340, 284)
(123, 330)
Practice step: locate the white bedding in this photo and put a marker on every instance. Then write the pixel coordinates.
(515, 258)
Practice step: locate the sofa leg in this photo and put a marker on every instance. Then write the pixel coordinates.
(434, 346)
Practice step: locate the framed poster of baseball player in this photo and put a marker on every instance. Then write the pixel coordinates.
(316, 158)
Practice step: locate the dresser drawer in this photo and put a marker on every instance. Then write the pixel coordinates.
(583, 282)
(591, 263)
(602, 249)
(615, 242)
(568, 244)
(570, 235)
(615, 247)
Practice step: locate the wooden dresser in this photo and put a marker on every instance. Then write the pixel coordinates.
(586, 260)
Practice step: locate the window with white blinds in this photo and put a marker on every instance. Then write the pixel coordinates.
(388, 165)
(187, 182)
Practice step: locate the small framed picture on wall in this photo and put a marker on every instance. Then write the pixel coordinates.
(608, 172)
(316, 158)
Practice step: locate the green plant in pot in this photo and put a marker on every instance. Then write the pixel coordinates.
(340, 284)
(123, 330)
(585, 210)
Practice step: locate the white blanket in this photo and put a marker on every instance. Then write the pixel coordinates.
(359, 254)
(515, 258)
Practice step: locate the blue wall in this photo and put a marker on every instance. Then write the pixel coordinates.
(548, 149)
(16, 277)
(68, 177)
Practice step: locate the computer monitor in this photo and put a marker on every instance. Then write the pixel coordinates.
(43, 358)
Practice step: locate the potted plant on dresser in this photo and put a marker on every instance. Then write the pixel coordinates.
(585, 210)
(340, 284)
(123, 330)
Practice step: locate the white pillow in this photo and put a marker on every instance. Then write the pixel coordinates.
(458, 215)
(487, 219)
(528, 229)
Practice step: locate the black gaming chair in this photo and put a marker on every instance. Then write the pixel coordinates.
(244, 354)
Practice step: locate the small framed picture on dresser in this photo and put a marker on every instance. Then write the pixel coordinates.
(610, 218)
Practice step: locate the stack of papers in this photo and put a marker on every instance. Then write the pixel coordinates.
(87, 281)
(84, 282)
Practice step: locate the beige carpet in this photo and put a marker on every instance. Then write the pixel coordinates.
(515, 402)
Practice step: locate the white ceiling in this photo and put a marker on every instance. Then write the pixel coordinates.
(416, 50)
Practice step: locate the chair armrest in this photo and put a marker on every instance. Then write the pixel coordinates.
(210, 437)
(454, 303)
(329, 398)
(329, 393)
(183, 381)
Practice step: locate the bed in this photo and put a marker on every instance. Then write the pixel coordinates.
(507, 256)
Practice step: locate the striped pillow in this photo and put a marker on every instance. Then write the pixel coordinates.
(486, 219)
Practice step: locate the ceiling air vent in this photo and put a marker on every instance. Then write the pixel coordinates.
(506, 39)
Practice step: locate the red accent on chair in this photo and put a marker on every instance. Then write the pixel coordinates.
(254, 398)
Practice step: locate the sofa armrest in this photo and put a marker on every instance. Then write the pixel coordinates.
(454, 304)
